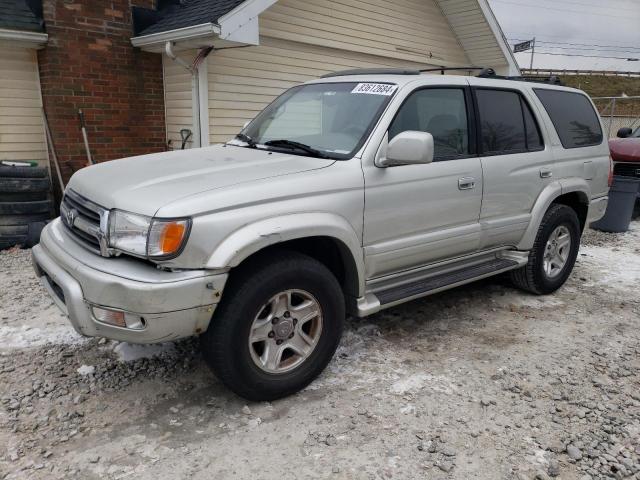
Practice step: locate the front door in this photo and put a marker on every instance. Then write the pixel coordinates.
(420, 214)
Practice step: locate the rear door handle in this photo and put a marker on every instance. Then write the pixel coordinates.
(466, 183)
(545, 173)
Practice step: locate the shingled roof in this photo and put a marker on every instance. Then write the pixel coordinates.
(16, 15)
(189, 13)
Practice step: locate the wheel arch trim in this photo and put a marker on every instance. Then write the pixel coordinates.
(254, 237)
(548, 195)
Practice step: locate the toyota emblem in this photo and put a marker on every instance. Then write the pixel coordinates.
(71, 216)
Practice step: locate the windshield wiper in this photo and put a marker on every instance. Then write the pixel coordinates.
(296, 145)
(243, 137)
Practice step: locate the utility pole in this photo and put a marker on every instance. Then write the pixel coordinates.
(533, 51)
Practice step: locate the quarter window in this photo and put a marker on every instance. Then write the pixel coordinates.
(442, 112)
(573, 117)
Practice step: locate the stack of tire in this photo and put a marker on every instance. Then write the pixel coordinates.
(25, 204)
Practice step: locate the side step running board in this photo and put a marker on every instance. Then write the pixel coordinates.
(423, 287)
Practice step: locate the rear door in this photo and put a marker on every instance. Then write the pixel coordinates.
(516, 163)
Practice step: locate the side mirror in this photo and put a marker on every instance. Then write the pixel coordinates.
(625, 132)
(408, 148)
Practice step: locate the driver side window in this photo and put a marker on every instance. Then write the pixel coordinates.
(442, 112)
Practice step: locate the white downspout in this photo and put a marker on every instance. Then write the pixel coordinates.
(195, 91)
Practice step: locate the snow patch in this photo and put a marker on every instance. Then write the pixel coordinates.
(128, 352)
(617, 269)
(537, 303)
(12, 338)
(86, 370)
(418, 381)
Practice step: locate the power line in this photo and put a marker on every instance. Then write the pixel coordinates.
(548, 35)
(619, 47)
(568, 10)
(579, 55)
(565, 2)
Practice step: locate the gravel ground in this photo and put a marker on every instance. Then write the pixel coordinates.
(482, 382)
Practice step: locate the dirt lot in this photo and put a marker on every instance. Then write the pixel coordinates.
(483, 382)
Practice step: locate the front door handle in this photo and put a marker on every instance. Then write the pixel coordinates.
(545, 173)
(466, 183)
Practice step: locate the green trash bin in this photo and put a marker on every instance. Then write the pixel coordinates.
(622, 199)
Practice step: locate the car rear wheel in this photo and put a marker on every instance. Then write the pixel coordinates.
(554, 252)
(277, 327)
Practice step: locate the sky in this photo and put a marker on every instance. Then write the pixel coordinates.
(568, 28)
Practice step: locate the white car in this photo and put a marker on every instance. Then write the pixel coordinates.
(351, 193)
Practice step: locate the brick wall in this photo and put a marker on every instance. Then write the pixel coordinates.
(89, 63)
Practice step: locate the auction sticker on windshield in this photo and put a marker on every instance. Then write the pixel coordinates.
(375, 89)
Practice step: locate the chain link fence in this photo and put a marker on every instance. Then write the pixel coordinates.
(618, 112)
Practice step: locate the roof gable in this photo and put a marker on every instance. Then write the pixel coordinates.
(188, 14)
(16, 15)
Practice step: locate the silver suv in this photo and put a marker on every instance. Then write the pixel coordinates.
(352, 193)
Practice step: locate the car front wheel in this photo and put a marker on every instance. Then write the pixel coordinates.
(277, 327)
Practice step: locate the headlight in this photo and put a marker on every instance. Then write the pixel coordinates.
(146, 237)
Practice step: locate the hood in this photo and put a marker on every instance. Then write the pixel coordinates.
(625, 149)
(145, 183)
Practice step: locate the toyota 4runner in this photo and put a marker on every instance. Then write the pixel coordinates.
(352, 193)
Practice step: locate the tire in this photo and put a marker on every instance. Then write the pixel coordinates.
(225, 344)
(26, 208)
(533, 277)
(12, 241)
(24, 219)
(23, 172)
(11, 185)
(23, 196)
(13, 235)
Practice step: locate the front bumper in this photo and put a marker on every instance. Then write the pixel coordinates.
(173, 304)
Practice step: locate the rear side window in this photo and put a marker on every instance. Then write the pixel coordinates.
(507, 124)
(573, 117)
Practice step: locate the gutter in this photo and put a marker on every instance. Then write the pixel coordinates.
(180, 34)
(37, 39)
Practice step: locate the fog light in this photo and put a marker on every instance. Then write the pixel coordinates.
(118, 318)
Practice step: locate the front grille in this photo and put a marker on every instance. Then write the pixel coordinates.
(86, 221)
(627, 169)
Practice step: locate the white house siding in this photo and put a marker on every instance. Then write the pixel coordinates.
(22, 134)
(414, 30)
(474, 33)
(178, 99)
(304, 39)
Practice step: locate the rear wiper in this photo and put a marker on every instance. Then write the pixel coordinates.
(243, 137)
(293, 145)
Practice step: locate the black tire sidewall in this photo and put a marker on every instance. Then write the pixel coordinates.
(561, 216)
(241, 310)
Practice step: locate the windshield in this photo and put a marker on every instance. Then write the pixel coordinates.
(330, 120)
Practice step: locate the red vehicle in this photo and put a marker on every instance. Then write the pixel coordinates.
(625, 152)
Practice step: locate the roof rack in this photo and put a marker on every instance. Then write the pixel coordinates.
(552, 79)
(445, 69)
(373, 71)
(484, 73)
